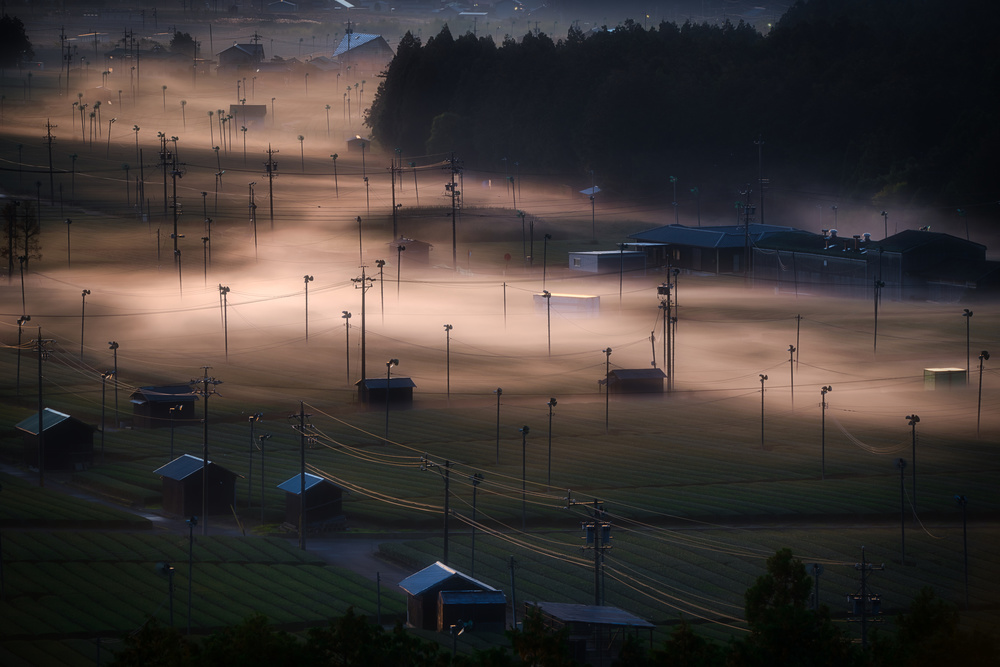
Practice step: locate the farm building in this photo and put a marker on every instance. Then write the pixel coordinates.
(596, 634)
(68, 443)
(398, 391)
(430, 604)
(415, 252)
(636, 381)
(358, 144)
(324, 501)
(630, 262)
(182, 484)
(165, 405)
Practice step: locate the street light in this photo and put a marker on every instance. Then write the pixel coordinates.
(545, 256)
(253, 419)
(104, 378)
(524, 476)
(447, 356)
(552, 403)
(762, 379)
(901, 464)
(427, 464)
(791, 371)
(307, 279)
(167, 570)
(83, 312)
(823, 392)
(912, 423)
(399, 252)
(347, 331)
(983, 356)
(548, 317)
(21, 321)
(172, 412)
(388, 381)
(967, 314)
(68, 254)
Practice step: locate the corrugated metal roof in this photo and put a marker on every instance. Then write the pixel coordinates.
(434, 575)
(356, 39)
(181, 468)
(473, 597)
(585, 613)
(50, 418)
(722, 236)
(294, 485)
(395, 383)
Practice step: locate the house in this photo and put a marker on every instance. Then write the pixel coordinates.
(67, 442)
(363, 55)
(165, 405)
(182, 486)
(397, 390)
(636, 381)
(240, 59)
(596, 633)
(433, 602)
(324, 501)
(719, 249)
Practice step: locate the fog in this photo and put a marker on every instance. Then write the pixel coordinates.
(169, 320)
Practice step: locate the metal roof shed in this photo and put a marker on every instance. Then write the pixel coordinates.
(636, 381)
(324, 501)
(596, 633)
(486, 610)
(68, 442)
(397, 390)
(182, 486)
(422, 589)
(164, 405)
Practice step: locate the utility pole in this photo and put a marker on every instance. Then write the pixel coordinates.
(454, 205)
(43, 354)
(272, 168)
(301, 428)
(597, 536)
(205, 392)
(48, 141)
(363, 283)
(865, 605)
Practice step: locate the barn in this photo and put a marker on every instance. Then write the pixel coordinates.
(432, 602)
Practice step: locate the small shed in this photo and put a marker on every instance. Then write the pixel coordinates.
(356, 144)
(484, 610)
(68, 442)
(636, 381)
(324, 501)
(182, 486)
(414, 252)
(164, 405)
(630, 262)
(248, 114)
(596, 633)
(944, 378)
(397, 390)
(580, 305)
(424, 602)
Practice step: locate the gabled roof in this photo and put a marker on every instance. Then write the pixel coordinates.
(436, 575)
(163, 394)
(355, 40)
(910, 239)
(294, 485)
(723, 236)
(181, 468)
(50, 418)
(585, 613)
(252, 50)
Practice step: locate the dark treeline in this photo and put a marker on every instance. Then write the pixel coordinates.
(892, 99)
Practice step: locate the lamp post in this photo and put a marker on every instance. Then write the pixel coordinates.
(762, 379)
(380, 263)
(346, 316)
(113, 346)
(607, 388)
(427, 464)
(336, 183)
(823, 392)
(967, 314)
(21, 321)
(912, 423)
(962, 502)
(192, 522)
(885, 234)
(399, 266)
(83, 311)
(447, 357)
(499, 393)
(388, 382)
(307, 279)
(261, 438)
(673, 181)
(552, 403)
(791, 371)
(548, 317)
(361, 252)
(524, 476)
(983, 356)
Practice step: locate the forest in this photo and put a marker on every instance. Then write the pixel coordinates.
(893, 101)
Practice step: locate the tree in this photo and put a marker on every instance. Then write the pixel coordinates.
(537, 645)
(20, 233)
(154, 645)
(183, 43)
(15, 47)
(252, 643)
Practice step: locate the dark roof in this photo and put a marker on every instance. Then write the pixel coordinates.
(724, 236)
(394, 383)
(910, 239)
(181, 468)
(252, 50)
(473, 597)
(50, 418)
(435, 575)
(294, 485)
(163, 394)
(639, 374)
(355, 40)
(612, 253)
(585, 613)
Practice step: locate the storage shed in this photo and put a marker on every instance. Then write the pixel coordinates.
(629, 262)
(596, 634)
(182, 486)
(636, 381)
(68, 442)
(427, 609)
(397, 390)
(324, 501)
(944, 378)
(165, 405)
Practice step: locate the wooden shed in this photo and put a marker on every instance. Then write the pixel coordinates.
(427, 609)
(182, 486)
(166, 405)
(324, 501)
(398, 391)
(636, 381)
(68, 443)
